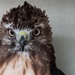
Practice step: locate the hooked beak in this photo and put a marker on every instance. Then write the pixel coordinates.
(22, 39)
(22, 42)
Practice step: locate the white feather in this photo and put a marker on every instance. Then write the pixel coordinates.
(8, 25)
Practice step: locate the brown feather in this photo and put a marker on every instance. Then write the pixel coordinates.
(42, 54)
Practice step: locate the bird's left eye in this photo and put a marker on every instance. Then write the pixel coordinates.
(36, 32)
(11, 33)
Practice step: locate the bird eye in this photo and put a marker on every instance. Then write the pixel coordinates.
(36, 32)
(11, 32)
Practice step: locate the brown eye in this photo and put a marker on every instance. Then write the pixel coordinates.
(36, 32)
(11, 33)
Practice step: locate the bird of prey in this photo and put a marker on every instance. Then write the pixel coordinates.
(26, 43)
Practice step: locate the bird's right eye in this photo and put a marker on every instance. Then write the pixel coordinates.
(11, 32)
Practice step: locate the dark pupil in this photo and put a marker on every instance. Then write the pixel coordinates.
(36, 31)
(12, 32)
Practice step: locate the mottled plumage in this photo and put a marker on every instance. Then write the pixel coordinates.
(26, 42)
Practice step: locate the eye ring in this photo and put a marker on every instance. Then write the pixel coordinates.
(36, 32)
(11, 33)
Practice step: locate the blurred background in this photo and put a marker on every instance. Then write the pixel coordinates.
(61, 14)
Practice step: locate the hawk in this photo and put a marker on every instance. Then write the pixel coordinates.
(26, 43)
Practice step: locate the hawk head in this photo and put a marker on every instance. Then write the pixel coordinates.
(25, 28)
